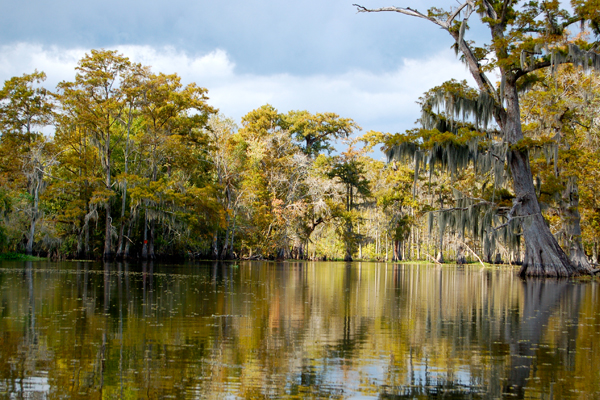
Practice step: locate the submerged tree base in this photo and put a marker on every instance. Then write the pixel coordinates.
(543, 255)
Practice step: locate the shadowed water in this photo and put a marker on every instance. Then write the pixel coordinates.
(293, 330)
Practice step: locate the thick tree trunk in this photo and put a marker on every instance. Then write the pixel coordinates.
(440, 255)
(348, 256)
(543, 255)
(397, 254)
(298, 250)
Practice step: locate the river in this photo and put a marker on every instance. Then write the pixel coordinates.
(294, 330)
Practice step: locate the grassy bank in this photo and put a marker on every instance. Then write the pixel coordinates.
(19, 257)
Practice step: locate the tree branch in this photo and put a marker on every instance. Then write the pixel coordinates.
(406, 11)
(433, 259)
(452, 16)
(491, 13)
(483, 82)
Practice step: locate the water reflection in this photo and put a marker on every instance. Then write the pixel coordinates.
(293, 330)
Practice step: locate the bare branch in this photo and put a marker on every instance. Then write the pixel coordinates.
(406, 11)
(452, 16)
(491, 13)
(463, 243)
(516, 203)
(433, 259)
(483, 82)
(481, 203)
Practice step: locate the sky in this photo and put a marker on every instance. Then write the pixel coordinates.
(320, 56)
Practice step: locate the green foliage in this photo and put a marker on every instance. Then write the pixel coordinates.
(317, 131)
(18, 257)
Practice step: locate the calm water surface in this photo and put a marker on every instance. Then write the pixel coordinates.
(293, 330)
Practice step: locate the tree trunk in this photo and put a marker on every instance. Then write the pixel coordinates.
(440, 255)
(107, 239)
(460, 251)
(83, 239)
(86, 243)
(418, 239)
(124, 200)
(151, 255)
(225, 250)
(359, 243)
(107, 231)
(122, 227)
(543, 255)
(34, 218)
(145, 245)
(386, 247)
(128, 242)
(215, 247)
(348, 256)
(572, 226)
(231, 253)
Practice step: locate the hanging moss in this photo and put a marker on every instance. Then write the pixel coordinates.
(447, 143)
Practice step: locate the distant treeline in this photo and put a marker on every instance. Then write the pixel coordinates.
(124, 162)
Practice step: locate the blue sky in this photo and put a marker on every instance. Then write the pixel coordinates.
(314, 55)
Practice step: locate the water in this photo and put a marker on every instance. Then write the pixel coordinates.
(293, 330)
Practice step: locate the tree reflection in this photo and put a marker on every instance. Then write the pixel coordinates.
(540, 301)
(295, 330)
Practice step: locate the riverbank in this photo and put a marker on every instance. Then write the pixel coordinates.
(19, 257)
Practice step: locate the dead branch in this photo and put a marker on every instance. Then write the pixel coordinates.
(475, 254)
(433, 259)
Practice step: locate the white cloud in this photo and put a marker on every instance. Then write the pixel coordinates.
(383, 102)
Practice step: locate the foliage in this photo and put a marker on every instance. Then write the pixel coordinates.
(141, 165)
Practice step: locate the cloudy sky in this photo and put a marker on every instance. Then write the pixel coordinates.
(313, 55)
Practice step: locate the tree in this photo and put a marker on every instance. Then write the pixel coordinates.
(316, 131)
(524, 38)
(349, 170)
(273, 183)
(98, 100)
(169, 111)
(77, 174)
(561, 109)
(25, 108)
(228, 167)
(133, 89)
